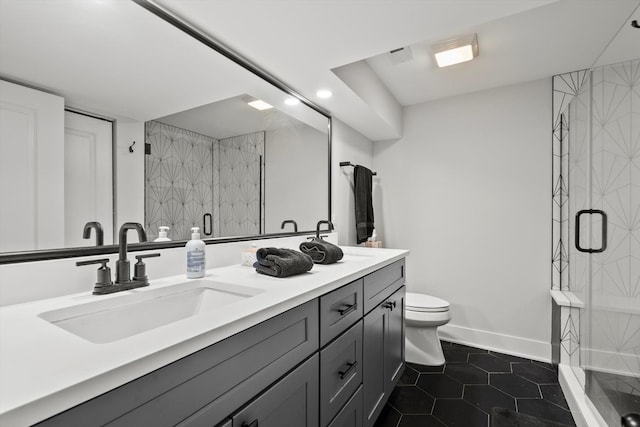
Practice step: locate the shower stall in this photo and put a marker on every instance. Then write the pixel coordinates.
(596, 229)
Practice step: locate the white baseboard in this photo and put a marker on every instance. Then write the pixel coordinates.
(508, 344)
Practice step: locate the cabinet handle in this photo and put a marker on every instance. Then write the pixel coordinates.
(350, 367)
(390, 305)
(348, 309)
(253, 423)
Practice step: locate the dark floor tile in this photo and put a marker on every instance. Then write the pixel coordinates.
(409, 376)
(468, 348)
(425, 368)
(420, 421)
(546, 410)
(440, 385)
(489, 362)
(514, 385)
(501, 417)
(466, 374)
(536, 373)
(553, 393)
(411, 400)
(508, 357)
(486, 397)
(388, 417)
(549, 366)
(455, 355)
(457, 412)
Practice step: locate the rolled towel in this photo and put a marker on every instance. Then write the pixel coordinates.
(321, 251)
(282, 262)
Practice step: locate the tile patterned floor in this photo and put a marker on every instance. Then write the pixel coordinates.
(472, 381)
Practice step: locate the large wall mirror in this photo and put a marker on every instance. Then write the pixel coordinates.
(109, 113)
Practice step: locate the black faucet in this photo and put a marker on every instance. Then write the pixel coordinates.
(123, 282)
(329, 223)
(289, 221)
(122, 265)
(86, 233)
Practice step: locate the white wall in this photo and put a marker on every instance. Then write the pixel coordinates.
(467, 190)
(295, 178)
(347, 145)
(129, 175)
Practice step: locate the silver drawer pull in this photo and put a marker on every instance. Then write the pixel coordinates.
(350, 367)
(348, 309)
(253, 423)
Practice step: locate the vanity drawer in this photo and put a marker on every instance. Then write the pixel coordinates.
(339, 310)
(351, 414)
(340, 372)
(382, 283)
(292, 401)
(208, 385)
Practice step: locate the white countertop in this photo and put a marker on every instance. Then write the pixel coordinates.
(45, 370)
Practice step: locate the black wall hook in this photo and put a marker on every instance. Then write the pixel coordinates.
(131, 147)
(634, 24)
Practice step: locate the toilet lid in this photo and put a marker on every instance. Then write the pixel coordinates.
(425, 303)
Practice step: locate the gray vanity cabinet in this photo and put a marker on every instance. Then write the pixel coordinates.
(341, 368)
(292, 401)
(351, 413)
(204, 388)
(330, 362)
(383, 353)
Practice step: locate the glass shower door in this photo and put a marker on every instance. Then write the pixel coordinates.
(610, 323)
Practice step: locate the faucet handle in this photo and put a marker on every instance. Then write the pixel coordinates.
(139, 269)
(103, 281)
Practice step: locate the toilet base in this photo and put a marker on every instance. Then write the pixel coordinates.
(422, 346)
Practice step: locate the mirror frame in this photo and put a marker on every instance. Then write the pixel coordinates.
(207, 40)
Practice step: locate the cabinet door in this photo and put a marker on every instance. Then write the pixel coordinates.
(292, 401)
(394, 341)
(373, 358)
(383, 353)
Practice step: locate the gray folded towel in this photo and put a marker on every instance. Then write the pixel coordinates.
(321, 251)
(282, 262)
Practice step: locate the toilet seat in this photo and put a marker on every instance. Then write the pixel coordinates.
(425, 303)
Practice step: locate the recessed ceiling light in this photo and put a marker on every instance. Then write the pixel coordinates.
(323, 93)
(292, 101)
(259, 104)
(455, 51)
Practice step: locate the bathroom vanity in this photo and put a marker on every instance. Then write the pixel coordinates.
(242, 349)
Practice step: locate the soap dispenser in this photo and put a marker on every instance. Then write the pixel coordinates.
(162, 234)
(195, 255)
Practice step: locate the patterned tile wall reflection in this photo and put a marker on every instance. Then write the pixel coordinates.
(189, 175)
(179, 179)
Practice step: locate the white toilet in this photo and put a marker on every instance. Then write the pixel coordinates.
(423, 315)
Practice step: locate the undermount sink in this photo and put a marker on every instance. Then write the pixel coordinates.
(134, 312)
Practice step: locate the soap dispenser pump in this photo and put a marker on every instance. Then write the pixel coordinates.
(162, 234)
(195, 255)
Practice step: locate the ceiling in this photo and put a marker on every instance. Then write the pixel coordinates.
(343, 46)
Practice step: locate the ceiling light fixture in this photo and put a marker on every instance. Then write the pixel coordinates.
(259, 104)
(292, 101)
(323, 93)
(455, 51)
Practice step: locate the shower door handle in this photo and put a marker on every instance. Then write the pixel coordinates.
(604, 231)
(207, 219)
